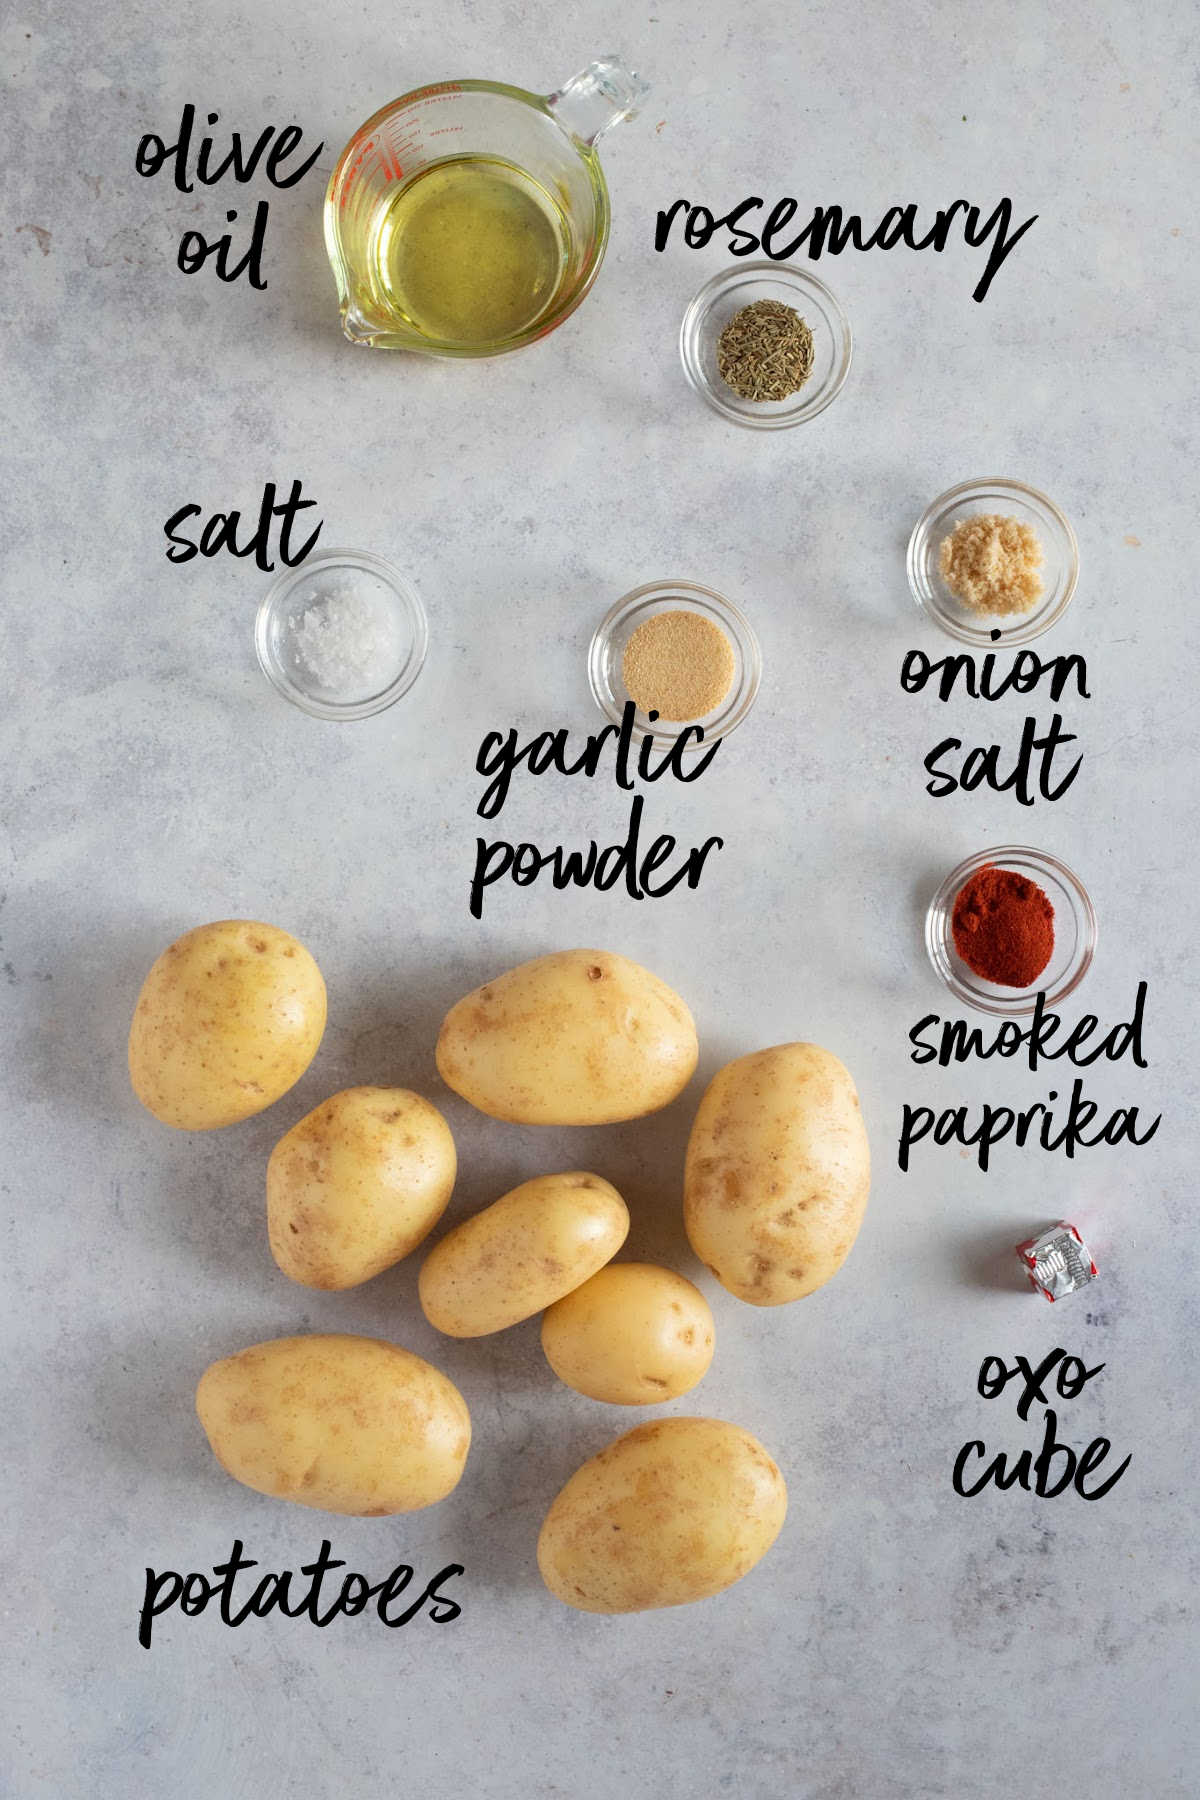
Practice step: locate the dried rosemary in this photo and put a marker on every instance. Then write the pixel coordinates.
(765, 352)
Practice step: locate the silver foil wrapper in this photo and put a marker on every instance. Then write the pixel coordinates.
(1057, 1261)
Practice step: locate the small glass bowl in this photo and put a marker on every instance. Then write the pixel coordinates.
(1075, 932)
(1012, 499)
(725, 295)
(607, 651)
(391, 608)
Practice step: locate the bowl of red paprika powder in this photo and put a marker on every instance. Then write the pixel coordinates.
(1008, 924)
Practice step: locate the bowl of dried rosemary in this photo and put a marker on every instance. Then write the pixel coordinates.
(767, 345)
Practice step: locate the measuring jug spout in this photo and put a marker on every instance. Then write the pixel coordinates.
(357, 327)
(600, 96)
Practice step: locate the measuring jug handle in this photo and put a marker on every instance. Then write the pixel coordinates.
(600, 96)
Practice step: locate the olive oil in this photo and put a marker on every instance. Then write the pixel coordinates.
(471, 251)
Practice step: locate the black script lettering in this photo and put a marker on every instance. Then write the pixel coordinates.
(192, 1593)
(442, 1609)
(1071, 1378)
(501, 754)
(1056, 1467)
(152, 154)
(1026, 672)
(1037, 1474)
(959, 1040)
(1005, 242)
(276, 147)
(220, 531)
(982, 766)
(995, 1123)
(594, 867)
(195, 250)
(830, 229)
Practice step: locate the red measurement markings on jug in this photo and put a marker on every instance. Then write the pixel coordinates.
(351, 171)
(401, 148)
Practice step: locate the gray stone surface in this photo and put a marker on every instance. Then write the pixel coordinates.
(900, 1643)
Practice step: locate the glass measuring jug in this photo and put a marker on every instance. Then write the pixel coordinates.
(469, 218)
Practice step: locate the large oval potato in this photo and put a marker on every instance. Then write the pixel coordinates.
(778, 1171)
(343, 1424)
(228, 1019)
(634, 1335)
(357, 1185)
(672, 1512)
(578, 1038)
(522, 1253)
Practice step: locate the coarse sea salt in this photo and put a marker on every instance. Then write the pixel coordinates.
(346, 639)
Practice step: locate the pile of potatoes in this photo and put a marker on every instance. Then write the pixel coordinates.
(775, 1186)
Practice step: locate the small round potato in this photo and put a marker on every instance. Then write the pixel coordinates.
(633, 1335)
(578, 1038)
(674, 1511)
(778, 1172)
(343, 1424)
(228, 1019)
(522, 1253)
(357, 1185)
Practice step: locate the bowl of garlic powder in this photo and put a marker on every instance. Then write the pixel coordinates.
(684, 654)
(993, 562)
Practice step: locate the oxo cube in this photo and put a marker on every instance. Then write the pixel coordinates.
(1057, 1261)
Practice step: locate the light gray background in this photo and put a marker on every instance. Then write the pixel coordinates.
(899, 1641)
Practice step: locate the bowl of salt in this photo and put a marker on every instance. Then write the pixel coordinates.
(342, 636)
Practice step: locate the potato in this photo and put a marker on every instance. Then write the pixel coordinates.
(632, 1335)
(343, 1424)
(228, 1019)
(357, 1185)
(522, 1253)
(777, 1175)
(672, 1512)
(578, 1038)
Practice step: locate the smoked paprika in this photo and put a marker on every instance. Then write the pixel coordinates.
(1003, 926)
